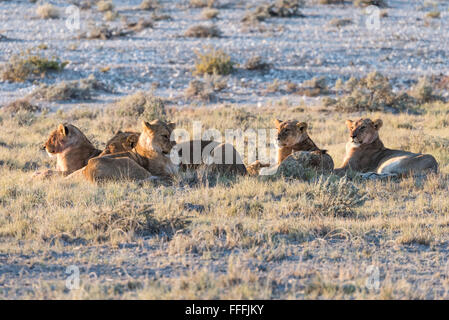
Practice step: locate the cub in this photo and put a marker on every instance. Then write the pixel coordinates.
(121, 142)
(292, 137)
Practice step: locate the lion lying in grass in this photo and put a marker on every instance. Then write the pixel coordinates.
(365, 152)
(71, 148)
(149, 159)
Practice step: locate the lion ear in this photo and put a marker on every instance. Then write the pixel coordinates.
(171, 125)
(378, 124)
(132, 140)
(349, 124)
(146, 125)
(63, 129)
(277, 122)
(302, 126)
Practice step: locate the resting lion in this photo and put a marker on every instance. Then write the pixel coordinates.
(149, 159)
(293, 137)
(365, 152)
(121, 142)
(71, 148)
(221, 158)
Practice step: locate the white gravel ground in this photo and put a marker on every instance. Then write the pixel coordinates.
(406, 46)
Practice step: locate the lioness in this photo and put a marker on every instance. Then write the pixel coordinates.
(220, 157)
(148, 159)
(71, 148)
(292, 136)
(121, 142)
(366, 152)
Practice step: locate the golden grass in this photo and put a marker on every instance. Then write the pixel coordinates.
(272, 238)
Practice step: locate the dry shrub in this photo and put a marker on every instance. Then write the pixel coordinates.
(141, 104)
(47, 11)
(331, 1)
(149, 5)
(423, 91)
(202, 3)
(110, 15)
(433, 14)
(209, 13)
(201, 90)
(366, 3)
(280, 8)
(372, 93)
(203, 31)
(27, 65)
(132, 219)
(334, 198)
(139, 25)
(301, 165)
(313, 87)
(213, 61)
(104, 32)
(104, 6)
(82, 89)
(256, 63)
(340, 22)
(21, 105)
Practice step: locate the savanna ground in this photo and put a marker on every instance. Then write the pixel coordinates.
(238, 238)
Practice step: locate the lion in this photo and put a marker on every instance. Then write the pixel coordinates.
(71, 148)
(218, 157)
(149, 159)
(365, 152)
(121, 142)
(292, 137)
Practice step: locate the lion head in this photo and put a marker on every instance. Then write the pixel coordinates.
(363, 131)
(121, 142)
(156, 136)
(64, 137)
(290, 132)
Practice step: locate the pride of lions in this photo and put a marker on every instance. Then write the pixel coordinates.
(145, 155)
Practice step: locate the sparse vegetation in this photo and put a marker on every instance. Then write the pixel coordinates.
(29, 64)
(141, 104)
(47, 11)
(203, 31)
(213, 61)
(21, 105)
(104, 5)
(366, 3)
(202, 3)
(83, 89)
(340, 22)
(149, 5)
(209, 13)
(433, 14)
(372, 93)
(256, 63)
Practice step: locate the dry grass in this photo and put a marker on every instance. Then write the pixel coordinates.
(241, 238)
